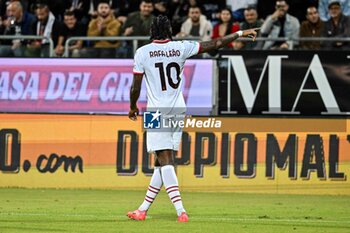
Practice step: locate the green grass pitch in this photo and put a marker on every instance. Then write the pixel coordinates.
(49, 210)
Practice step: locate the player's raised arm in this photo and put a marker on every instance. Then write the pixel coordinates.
(134, 96)
(206, 46)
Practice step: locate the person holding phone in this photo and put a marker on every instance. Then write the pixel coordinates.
(18, 22)
(280, 25)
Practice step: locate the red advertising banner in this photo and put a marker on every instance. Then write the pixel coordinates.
(89, 86)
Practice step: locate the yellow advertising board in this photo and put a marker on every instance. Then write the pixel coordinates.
(270, 155)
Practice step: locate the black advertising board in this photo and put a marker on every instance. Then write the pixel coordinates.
(286, 83)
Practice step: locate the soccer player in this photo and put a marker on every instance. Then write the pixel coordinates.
(161, 63)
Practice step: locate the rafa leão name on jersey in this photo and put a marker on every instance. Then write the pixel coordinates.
(161, 53)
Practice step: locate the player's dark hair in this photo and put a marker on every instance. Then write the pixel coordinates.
(161, 28)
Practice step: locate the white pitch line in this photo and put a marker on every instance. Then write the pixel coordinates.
(192, 219)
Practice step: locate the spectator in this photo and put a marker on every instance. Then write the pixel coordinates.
(225, 26)
(4, 3)
(18, 22)
(56, 7)
(278, 25)
(104, 25)
(45, 25)
(238, 6)
(324, 5)
(337, 26)
(85, 10)
(297, 8)
(139, 23)
(178, 13)
(196, 25)
(312, 27)
(93, 5)
(70, 28)
(250, 21)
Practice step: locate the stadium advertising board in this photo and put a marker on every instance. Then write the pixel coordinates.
(89, 86)
(298, 83)
(247, 155)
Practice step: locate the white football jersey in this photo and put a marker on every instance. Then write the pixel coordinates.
(162, 64)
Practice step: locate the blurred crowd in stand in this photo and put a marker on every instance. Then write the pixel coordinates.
(60, 20)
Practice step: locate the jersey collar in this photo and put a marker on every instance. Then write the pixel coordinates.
(161, 41)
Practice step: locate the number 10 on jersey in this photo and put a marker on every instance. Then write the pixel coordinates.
(167, 72)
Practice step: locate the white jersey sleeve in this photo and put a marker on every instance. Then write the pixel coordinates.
(191, 48)
(138, 66)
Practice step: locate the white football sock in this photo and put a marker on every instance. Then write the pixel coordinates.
(172, 187)
(153, 189)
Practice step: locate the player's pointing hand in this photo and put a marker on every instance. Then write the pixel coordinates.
(251, 33)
